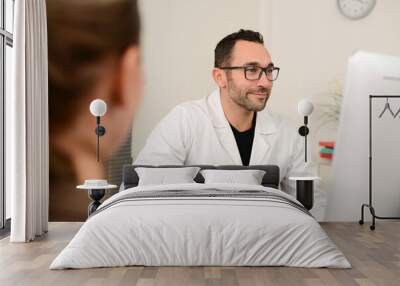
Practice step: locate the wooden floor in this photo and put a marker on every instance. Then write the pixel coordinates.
(375, 257)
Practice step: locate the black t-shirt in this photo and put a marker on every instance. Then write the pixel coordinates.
(244, 141)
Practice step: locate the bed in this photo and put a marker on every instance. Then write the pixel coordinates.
(201, 223)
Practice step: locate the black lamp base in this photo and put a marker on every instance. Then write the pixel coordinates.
(96, 195)
(305, 193)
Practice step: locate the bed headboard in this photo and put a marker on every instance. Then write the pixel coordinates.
(130, 178)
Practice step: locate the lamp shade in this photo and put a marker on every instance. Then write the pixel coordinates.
(98, 107)
(305, 107)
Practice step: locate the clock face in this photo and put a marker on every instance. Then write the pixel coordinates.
(356, 9)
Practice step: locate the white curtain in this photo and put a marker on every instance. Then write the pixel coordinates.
(27, 124)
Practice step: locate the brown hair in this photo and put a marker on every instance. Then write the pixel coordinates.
(223, 50)
(82, 33)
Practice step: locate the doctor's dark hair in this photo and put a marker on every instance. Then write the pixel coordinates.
(223, 50)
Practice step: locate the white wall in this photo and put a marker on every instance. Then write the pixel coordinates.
(310, 40)
(178, 40)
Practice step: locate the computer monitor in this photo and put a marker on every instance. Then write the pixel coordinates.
(367, 74)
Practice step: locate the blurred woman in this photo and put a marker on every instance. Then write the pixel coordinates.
(93, 49)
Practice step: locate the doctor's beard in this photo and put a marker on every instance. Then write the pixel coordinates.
(242, 96)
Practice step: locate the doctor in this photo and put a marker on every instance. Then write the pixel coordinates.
(227, 127)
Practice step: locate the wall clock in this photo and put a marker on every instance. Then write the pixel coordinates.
(356, 9)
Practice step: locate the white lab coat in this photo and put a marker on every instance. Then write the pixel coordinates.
(197, 132)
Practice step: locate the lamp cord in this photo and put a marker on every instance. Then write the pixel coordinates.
(305, 153)
(98, 137)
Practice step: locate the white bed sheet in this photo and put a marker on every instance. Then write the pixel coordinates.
(200, 231)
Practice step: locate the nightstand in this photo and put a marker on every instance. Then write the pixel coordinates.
(96, 190)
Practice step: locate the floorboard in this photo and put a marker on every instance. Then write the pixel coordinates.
(374, 255)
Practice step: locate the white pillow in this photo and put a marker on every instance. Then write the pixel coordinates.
(248, 177)
(164, 176)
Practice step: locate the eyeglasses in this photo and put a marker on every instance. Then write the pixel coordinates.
(255, 72)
